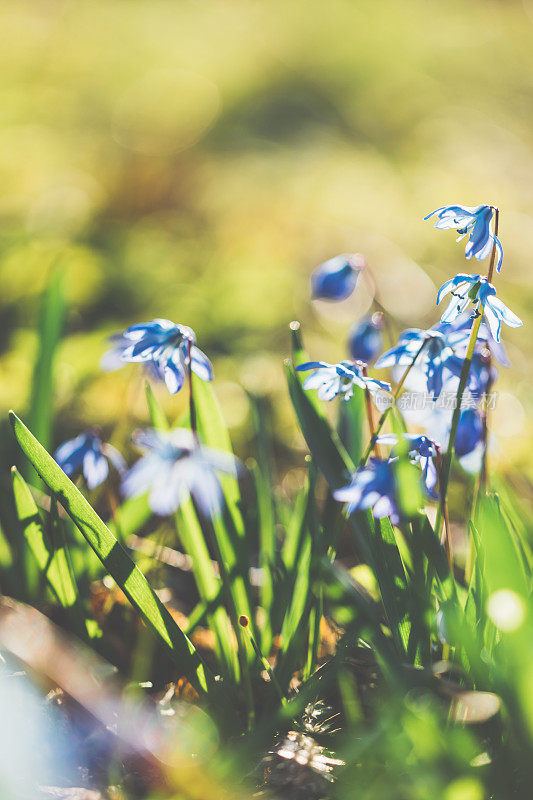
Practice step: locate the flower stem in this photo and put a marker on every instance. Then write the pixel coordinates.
(235, 623)
(385, 414)
(447, 457)
(370, 414)
(446, 538)
(192, 407)
(244, 624)
(463, 378)
(483, 474)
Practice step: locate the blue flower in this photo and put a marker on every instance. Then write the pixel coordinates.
(164, 348)
(469, 432)
(175, 466)
(366, 338)
(482, 374)
(432, 361)
(458, 333)
(469, 435)
(336, 278)
(474, 222)
(372, 486)
(466, 289)
(332, 380)
(89, 454)
(422, 451)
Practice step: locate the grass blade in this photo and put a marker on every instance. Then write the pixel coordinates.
(51, 555)
(193, 540)
(230, 530)
(116, 560)
(325, 446)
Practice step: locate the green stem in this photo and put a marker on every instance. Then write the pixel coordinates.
(244, 625)
(465, 371)
(385, 414)
(447, 457)
(234, 618)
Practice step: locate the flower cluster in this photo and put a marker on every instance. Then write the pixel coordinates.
(174, 464)
(454, 358)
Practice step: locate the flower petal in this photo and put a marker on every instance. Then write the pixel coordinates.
(335, 279)
(201, 365)
(95, 468)
(503, 312)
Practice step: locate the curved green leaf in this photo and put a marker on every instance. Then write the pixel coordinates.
(116, 560)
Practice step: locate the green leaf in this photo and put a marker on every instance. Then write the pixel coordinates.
(324, 445)
(229, 530)
(503, 562)
(157, 415)
(368, 614)
(302, 590)
(130, 517)
(52, 558)
(351, 416)
(300, 356)
(261, 473)
(116, 561)
(208, 584)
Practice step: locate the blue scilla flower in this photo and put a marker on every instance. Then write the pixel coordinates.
(372, 486)
(336, 278)
(89, 454)
(474, 222)
(175, 466)
(482, 374)
(332, 380)
(466, 289)
(458, 334)
(432, 360)
(422, 451)
(365, 339)
(469, 432)
(164, 348)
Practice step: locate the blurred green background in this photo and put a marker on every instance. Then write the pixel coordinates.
(196, 160)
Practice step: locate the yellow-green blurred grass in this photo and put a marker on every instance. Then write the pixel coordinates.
(196, 160)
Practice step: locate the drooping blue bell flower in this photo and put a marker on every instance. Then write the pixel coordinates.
(423, 452)
(466, 289)
(336, 278)
(174, 466)
(164, 348)
(372, 486)
(474, 222)
(365, 339)
(87, 453)
(332, 380)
